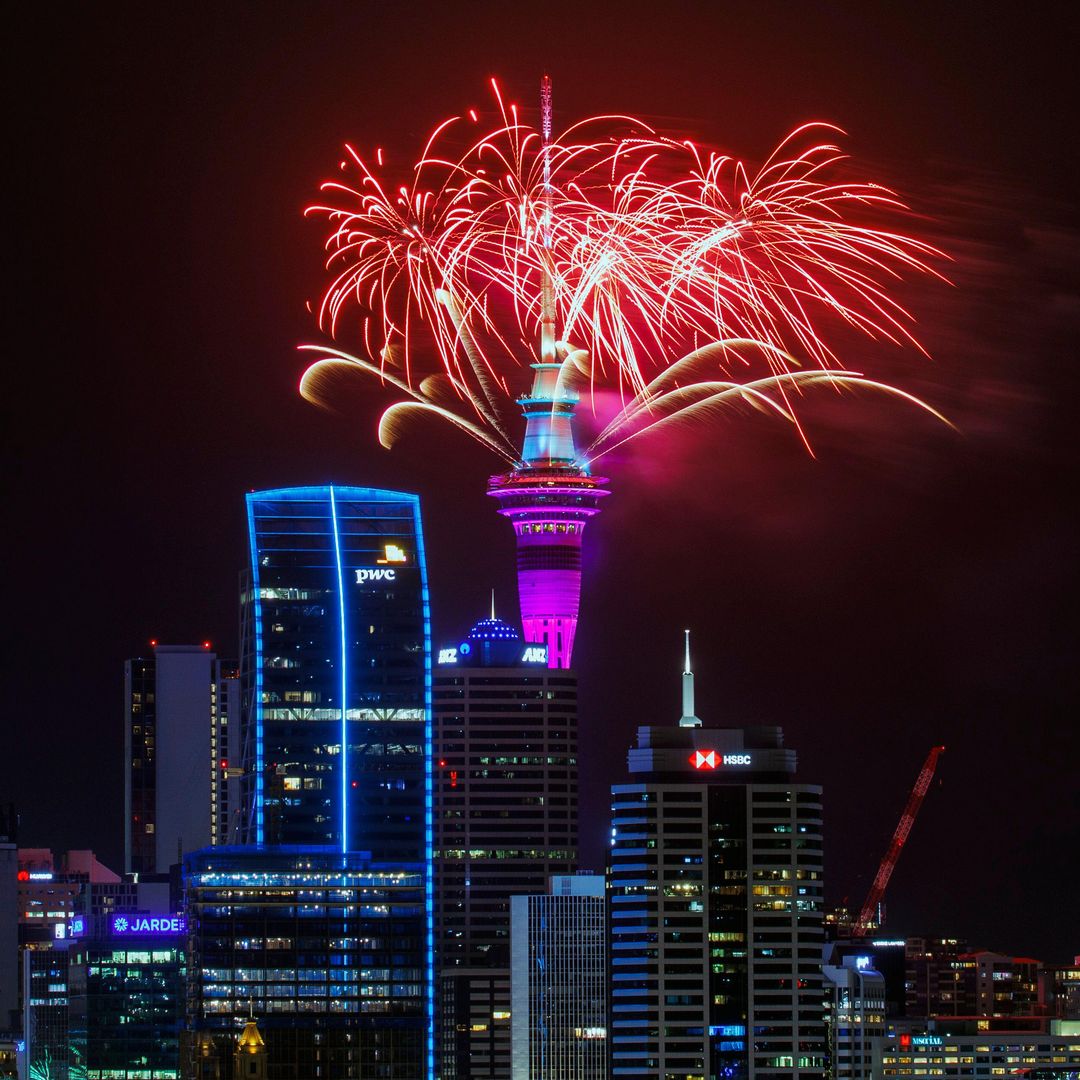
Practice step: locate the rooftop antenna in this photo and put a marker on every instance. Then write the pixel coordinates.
(493, 603)
(688, 718)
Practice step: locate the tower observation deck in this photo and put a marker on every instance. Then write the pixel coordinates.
(548, 498)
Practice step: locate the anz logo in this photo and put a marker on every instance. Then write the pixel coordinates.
(375, 575)
(535, 654)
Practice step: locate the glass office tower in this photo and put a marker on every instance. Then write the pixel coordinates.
(327, 951)
(335, 671)
(335, 683)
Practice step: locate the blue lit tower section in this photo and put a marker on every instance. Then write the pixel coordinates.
(549, 498)
(336, 675)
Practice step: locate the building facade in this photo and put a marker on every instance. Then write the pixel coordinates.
(715, 908)
(559, 961)
(336, 672)
(506, 786)
(855, 999)
(328, 951)
(226, 754)
(980, 1048)
(46, 1043)
(171, 759)
(940, 978)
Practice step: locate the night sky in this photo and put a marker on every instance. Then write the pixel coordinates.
(907, 586)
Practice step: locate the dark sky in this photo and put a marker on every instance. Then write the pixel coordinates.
(908, 586)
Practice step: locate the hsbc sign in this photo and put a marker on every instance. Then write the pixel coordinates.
(711, 759)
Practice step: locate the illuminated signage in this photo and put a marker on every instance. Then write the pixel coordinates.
(862, 962)
(40, 875)
(375, 575)
(710, 759)
(920, 1040)
(149, 924)
(448, 656)
(883, 943)
(535, 654)
(59, 931)
(77, 926)
(392, 553)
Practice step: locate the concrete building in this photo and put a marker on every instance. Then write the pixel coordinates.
(559, 957)
(226, 748)
(854, 1014)
(980, 1047)
(715, 907)
(506, 785)
(1059, 990)
(940, 978)
(171, 759)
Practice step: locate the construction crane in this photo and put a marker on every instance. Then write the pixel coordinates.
(888, 863)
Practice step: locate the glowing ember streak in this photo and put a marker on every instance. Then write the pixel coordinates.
(650, 255)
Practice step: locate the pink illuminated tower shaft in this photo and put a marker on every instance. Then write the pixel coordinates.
(550, 495)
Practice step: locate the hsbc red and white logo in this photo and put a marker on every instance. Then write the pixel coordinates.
(710, 759)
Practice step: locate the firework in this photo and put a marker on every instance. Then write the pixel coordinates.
(608, 256)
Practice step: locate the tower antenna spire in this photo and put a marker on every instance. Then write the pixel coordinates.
(547, 299)
(549, 495)
(493, 603)
(688, 718)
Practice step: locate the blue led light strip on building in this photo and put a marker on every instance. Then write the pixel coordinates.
(257, 708)
(429, 791)
(344, 678)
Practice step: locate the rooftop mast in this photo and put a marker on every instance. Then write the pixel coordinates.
(688, 718)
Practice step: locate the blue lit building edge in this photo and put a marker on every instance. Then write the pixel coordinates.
(429, 820)
(317, 492)
(257, 707)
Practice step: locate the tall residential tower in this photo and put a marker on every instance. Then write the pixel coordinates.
(505, 820)
(715, 907)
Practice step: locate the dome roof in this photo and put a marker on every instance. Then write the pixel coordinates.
(492, 630)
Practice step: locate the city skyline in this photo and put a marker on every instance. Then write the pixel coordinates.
(906, 588)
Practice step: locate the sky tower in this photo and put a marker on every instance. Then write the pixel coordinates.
(549, 495)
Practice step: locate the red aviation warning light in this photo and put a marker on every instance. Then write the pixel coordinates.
(704, 759)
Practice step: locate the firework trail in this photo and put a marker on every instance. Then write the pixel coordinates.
(608, 255)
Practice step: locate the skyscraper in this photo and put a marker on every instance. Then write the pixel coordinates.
(506, 819)
(170, 754)
(335, 672)
(321, 922)
(329, 951)
(715, 907)
(559, 960)
(855, 1014)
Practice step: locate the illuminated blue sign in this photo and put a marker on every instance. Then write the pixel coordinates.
(148, 924)
(77, 926)
(535, 654)
(926, 1040)
(448, 656)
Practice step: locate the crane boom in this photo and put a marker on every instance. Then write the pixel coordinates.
(888, 863)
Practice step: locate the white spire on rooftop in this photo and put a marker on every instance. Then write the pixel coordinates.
(688, 718)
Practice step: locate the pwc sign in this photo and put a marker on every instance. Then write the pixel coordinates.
(710, 759)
